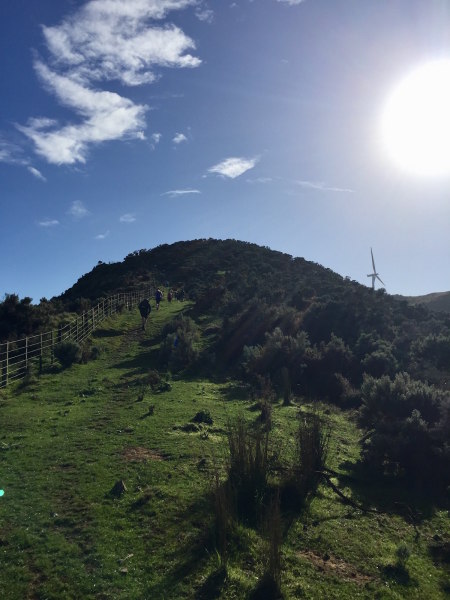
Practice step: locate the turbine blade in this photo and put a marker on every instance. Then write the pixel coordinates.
(379, 279)
(373, 262)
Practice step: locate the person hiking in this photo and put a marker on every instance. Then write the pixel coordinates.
(144, 309)
(158, 297)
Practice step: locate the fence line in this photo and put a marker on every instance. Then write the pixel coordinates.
(16, 357)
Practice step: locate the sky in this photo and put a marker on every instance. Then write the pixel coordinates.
(125, 124)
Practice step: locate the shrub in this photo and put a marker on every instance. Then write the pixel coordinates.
(409, 423)
(179, 348)
(203, 416)
(68, 352)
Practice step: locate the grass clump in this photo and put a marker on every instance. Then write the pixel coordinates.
(248, 467)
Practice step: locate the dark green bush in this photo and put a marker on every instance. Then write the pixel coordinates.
(409, 427)
(68, 352)
(203, 416)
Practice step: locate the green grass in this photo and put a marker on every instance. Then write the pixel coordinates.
(66, 439)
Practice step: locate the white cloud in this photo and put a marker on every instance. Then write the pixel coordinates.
(291, 2)
(48, 223)
(127, 218)
(11, 153)
(321, 186)
(176, 193)
(107, 116)
(105, 40)
(78, 210)
(179, 137)
(36, 173)
(102, 236)
(262, 180)
(233, 167)
(203, 13)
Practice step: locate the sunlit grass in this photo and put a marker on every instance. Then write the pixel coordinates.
(68, 438)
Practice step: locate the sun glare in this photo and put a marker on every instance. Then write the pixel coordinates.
(416, 121)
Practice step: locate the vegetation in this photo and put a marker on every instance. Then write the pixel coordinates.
(282, 433)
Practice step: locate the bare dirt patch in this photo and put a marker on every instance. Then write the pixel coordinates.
(139, 454)
(335, 566)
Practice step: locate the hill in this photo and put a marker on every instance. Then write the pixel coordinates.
(437, 301)
(145, 473)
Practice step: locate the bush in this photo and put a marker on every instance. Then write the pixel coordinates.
(179, 349)
(68, 352)
(203, 416)
(409, 423)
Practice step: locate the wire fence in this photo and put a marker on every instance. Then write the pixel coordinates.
(18, 357)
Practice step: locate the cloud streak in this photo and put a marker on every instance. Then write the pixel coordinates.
(233, 167)
(36, 173)
(48, 223)
(291, 2)
(102, 236)
(127, 218)
(104, 41)
(177, 193)
(322, 187)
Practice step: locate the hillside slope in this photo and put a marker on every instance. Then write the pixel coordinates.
(438, 301)
(68, 532)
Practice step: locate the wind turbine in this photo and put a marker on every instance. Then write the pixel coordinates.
(374, 275)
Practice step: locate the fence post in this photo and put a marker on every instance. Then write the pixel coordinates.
(26, 353)
(40, 355)
(7, 362)
(52, 353)
(93, 319)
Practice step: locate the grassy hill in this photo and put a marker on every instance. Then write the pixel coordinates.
(438, 301)
(137, 415)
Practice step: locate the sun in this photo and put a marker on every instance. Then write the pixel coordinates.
(416, 121)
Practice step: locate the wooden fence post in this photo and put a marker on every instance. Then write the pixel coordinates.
(7, 363)
(93, 319)
(52, 349)
(26, 353)
(40, 355)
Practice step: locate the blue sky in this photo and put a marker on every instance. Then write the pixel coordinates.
(125, 124)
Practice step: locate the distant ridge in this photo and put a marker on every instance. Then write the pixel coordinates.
(438, 301)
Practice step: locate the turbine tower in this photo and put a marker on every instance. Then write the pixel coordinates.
(374, 275)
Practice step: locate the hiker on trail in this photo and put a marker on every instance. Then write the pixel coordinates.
(144, 309)
(158, 297)
(169, 296)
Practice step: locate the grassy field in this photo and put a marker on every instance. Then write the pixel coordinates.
(69, 437)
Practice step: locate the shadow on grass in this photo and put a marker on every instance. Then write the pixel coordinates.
(106, 333)
(236, 392)
(389, 495)
(213, 585)
(399, 574)
(140, 363)
(189, 558)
